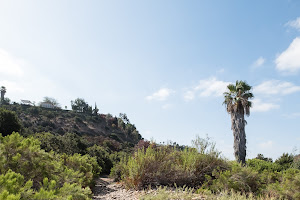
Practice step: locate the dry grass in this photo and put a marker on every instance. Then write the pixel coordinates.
(164, 193)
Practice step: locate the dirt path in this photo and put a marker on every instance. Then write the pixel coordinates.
(107, 189)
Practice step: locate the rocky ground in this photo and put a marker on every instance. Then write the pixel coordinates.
(107, 189)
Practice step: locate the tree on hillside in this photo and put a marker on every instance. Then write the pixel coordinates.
(6, 101)
(95, 110)
(9, 122)
(124, 117)
(79, 105)
(237, 104)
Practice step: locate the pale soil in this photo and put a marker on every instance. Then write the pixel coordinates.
(107, 189)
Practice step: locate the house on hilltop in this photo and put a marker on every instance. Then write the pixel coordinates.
(47, 105)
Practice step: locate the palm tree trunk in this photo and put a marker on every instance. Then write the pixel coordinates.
(238, 127)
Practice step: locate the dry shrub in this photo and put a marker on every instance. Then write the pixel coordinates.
(168, 166)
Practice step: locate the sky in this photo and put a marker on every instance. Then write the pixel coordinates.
(164, 63)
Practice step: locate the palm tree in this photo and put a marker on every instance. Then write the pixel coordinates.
(237, 104)
(3, 91)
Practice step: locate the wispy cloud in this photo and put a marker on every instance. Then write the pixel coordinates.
(267, 90)
(260, 106)
(211, 87)
(259, 62)
(276, 87)
(289, 60)
(206, 88)
(294, 23)
(10, 65)
(189, 95)
(160, 95)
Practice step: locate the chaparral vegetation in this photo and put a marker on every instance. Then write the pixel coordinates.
(51, 153)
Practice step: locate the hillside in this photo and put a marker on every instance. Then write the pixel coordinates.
(96, 128)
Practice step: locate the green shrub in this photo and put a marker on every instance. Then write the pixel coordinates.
(102, 157)
(13, 186)
(85, 164)
(25, 167)
(238, 179)
(285, 161)
(262, 165)
(33, 110)
(166, 166)
(288, 187)
(118, 159)
(262, 157)
(9, 122)
(69, 143)
(78, 119)
(296, 164)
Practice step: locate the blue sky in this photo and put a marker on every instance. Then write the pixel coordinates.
(165, 64)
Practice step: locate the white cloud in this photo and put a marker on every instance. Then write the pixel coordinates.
(160, 95)
(206, 88)
(260, 106)
(276, 87)
(289, 60)
(211, 87)
(259, 62)
(9, 65)
(266, 145)
(294, 24)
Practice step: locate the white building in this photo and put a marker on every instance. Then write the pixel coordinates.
(47, 105)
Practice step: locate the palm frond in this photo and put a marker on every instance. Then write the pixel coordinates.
(231, 88)
(236, 99)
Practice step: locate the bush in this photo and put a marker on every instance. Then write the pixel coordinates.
(78, 119)
(238, 179)
(166, 166)
(262, 165)
(285, 161)
(50, 142)
(25, 167)
(9, 122)
(288, 187)
(13, 186)
(85, 164)
(102, 157)
(262, 157)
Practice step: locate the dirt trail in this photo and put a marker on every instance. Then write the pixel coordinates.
(107, 189)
